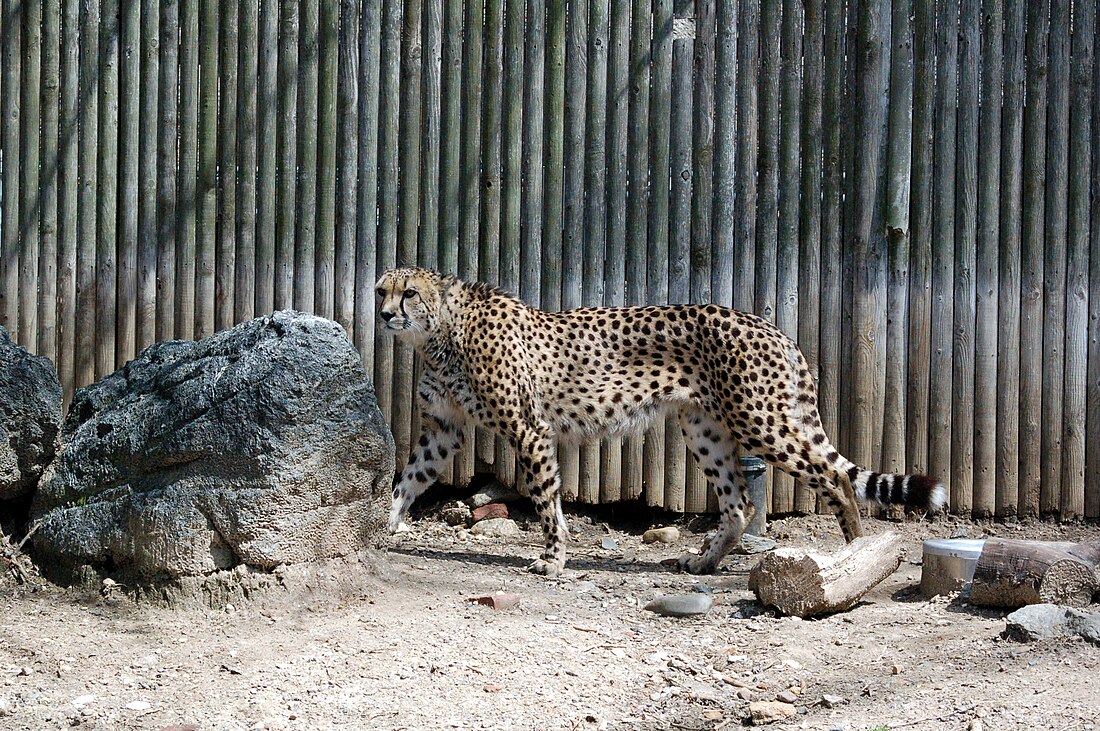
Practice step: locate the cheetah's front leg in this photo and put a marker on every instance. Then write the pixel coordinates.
(538, 462)
(439, 439)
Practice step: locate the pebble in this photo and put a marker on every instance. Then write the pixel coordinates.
(765, 712)
(681, 605)
(494, 492)
(497, 528)
(456, 514)
(609, 544)
(787, 696)
(974, 725)
(83, 700)
(403, 527)
(667, 534)
(138, 706)
(5, 709)
(713, 715)
(832, 701)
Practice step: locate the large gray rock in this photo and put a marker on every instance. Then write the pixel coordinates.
(260, 445)
(30, 417)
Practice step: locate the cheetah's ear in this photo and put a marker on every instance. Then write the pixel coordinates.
(446, 280)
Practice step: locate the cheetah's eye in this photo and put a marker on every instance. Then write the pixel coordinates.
(380, 292)
(410, 293)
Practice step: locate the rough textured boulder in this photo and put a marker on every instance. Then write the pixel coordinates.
(30, 417)
(260, 445)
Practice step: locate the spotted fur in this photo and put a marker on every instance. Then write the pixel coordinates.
(739, 384)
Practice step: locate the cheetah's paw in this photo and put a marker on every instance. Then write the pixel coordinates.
(694, 564)
(549, 569)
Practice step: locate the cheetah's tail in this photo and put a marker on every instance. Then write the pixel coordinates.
(918, 492)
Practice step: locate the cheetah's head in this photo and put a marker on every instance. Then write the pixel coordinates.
(409, 300)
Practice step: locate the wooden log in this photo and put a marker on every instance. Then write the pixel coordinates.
(28, 203)
(51, 172)
(288, 154)
(767, 190)
(366, 221)
(67, 200)
(450, 147)
(748, 65)
(10, 85)
(804, 584)
(88, 126)
(481, 159)
(184, 210)
(267, 157)
(206, 192)
(534, 63)
(244, 258)
(327, 145)
(1013, 573)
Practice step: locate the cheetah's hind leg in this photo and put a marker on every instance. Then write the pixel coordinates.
(539, 465)
(719, 455)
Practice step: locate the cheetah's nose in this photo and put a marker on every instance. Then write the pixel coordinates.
(387, 316)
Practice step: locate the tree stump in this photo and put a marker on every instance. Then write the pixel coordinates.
(1012, 573)
(804, 584)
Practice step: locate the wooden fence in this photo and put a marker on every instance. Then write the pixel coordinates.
(908, 188)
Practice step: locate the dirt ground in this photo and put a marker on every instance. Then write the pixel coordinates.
(387, 640)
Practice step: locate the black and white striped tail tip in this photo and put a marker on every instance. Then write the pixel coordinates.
(917, 492)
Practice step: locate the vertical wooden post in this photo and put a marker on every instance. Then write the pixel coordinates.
(966, 202)
(1072, 503)
(450, 182)
(67, 200)
(1031, 265)
(1054, 256)
(920, 242)
(167, 134)
(481, 206)
(655, 473)
(767, 202)
(186, 188)
(128, 154)
(809, 216)
(786, 285)
(611, 457)
(534, 65)
(305, 211)
(1008, 276)
(344, 157)
(10, 86)
(725, 145)
(225, 257)
(325, 255)
(748, 65)
(987, 290)
(268, 154)
(367, 337)
(149, 123)
(49, 184)
(106, 274)
(899, 152)
(638, 178)
(288, 154)
(943, 244)
(27, 200)
(431, 56)
(1092, 439)
(247, 205)
(206, 193)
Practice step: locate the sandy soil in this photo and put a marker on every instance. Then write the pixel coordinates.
(387, 640)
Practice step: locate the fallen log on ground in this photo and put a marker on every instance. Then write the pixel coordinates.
(1015, 573)
(803, 583)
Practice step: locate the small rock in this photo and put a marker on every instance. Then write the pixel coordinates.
(713, 715)
(702, 589)
(494, 492)
(681, 605)
(491, 688)
(751, 544)
(500, 600)
(138, 706)
(832, 701)
(668, 534)
(974, 725)
(745, 694)
(456, 514)
(586, 587)
(765, 712)
(1086, 625)
(609, 544)
(895, 669)
(787, 696)
(83, 700)
(488, 512)
(403, 527)
(5, 709)
(1037, 622)
(497, 528)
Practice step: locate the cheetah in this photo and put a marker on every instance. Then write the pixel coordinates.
(739, 385)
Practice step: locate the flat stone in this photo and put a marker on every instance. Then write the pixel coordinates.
(1087, 625)
(609, 544)
(497, 528)
(1038, 622)
(764, 712)
(832, 701)
(751, 544)
(667, 534)
(681, 605)
(494, 492)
